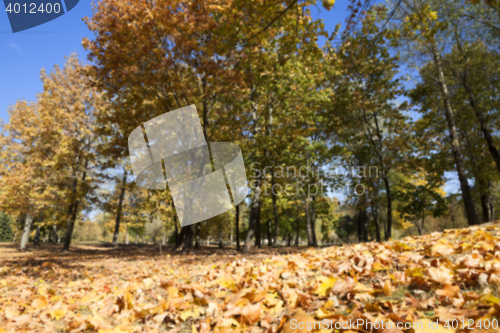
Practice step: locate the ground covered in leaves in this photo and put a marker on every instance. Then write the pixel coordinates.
(451, 277)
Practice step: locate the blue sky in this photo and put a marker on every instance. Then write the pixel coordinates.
(25, 53)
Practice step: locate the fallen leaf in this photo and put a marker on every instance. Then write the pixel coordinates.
(441, 275)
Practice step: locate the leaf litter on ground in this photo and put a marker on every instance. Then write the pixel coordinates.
(452, 277)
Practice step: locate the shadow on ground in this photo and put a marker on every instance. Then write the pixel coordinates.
(48, 262)
(10, 253)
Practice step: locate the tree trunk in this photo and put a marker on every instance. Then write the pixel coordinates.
(69, 227)
(54, 234)
(258, 229)
(36, 241)
(187, 243)
(297, 226)
(308, 225)
(495, 154)
(231, 236)
(289, 240)
(486, 207)
(197, 231)
(422, 222)
(254, 212)
(313, 221)
(276, 221)
(269, 238)
(388, 227)
(452, 218)
(220, 240)
(73, 210)
(385, 176)
(28, 221)
(119, 211)
(418, 223)
(68, 230)
(455, 145)
(275, 211)
(176, 235)
(492, 211)
(362, 232)
(237, 215)
(365, 226)
(376, 221)
(178, 238)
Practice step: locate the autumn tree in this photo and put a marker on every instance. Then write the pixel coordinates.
(24, 168)
(67, 90)
(144, 62)
(366, 120)
(421, 198)
(420, 33)
(47, 150)
(169, 71)
(283, 85)
(478, 160)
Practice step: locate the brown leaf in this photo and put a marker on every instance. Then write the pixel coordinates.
(250, 313)
(448, 291)
(441, 275)
(299, 322)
